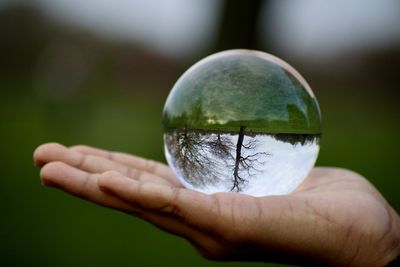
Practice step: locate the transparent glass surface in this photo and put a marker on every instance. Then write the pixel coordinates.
(241, 121)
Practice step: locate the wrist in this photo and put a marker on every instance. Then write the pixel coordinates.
(381, 249)
(393, 255)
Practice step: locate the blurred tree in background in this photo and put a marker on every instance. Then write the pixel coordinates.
(62, 80)
(239, 25)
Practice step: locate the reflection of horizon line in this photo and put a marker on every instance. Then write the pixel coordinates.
(230, 130)
(292, 138)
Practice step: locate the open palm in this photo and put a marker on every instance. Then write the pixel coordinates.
(335, 217)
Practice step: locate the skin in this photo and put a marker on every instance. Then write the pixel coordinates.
(334, 218)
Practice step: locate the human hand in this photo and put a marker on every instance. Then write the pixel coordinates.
(335, 217)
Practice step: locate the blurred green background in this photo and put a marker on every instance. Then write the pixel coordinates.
(98, 73)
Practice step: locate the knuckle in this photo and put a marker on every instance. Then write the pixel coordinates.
(83, 190)
(151, 165)
(82, 161)
(134, 173)
(172, 207)
(109, 174)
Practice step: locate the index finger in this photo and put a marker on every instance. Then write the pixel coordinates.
(136, 162)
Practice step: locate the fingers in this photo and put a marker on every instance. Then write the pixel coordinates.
(85, 185)
(147, 165)
(81, 184)
(190, 207)
(90, 163)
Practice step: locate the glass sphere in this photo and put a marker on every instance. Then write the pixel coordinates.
(241, 121)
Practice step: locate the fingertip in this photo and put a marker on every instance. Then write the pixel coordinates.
(38, 155)
(44, 152)
(50, 172)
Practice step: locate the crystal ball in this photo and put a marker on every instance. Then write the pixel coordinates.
(241, 121)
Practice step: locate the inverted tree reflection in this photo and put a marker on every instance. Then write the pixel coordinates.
(207, 157)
